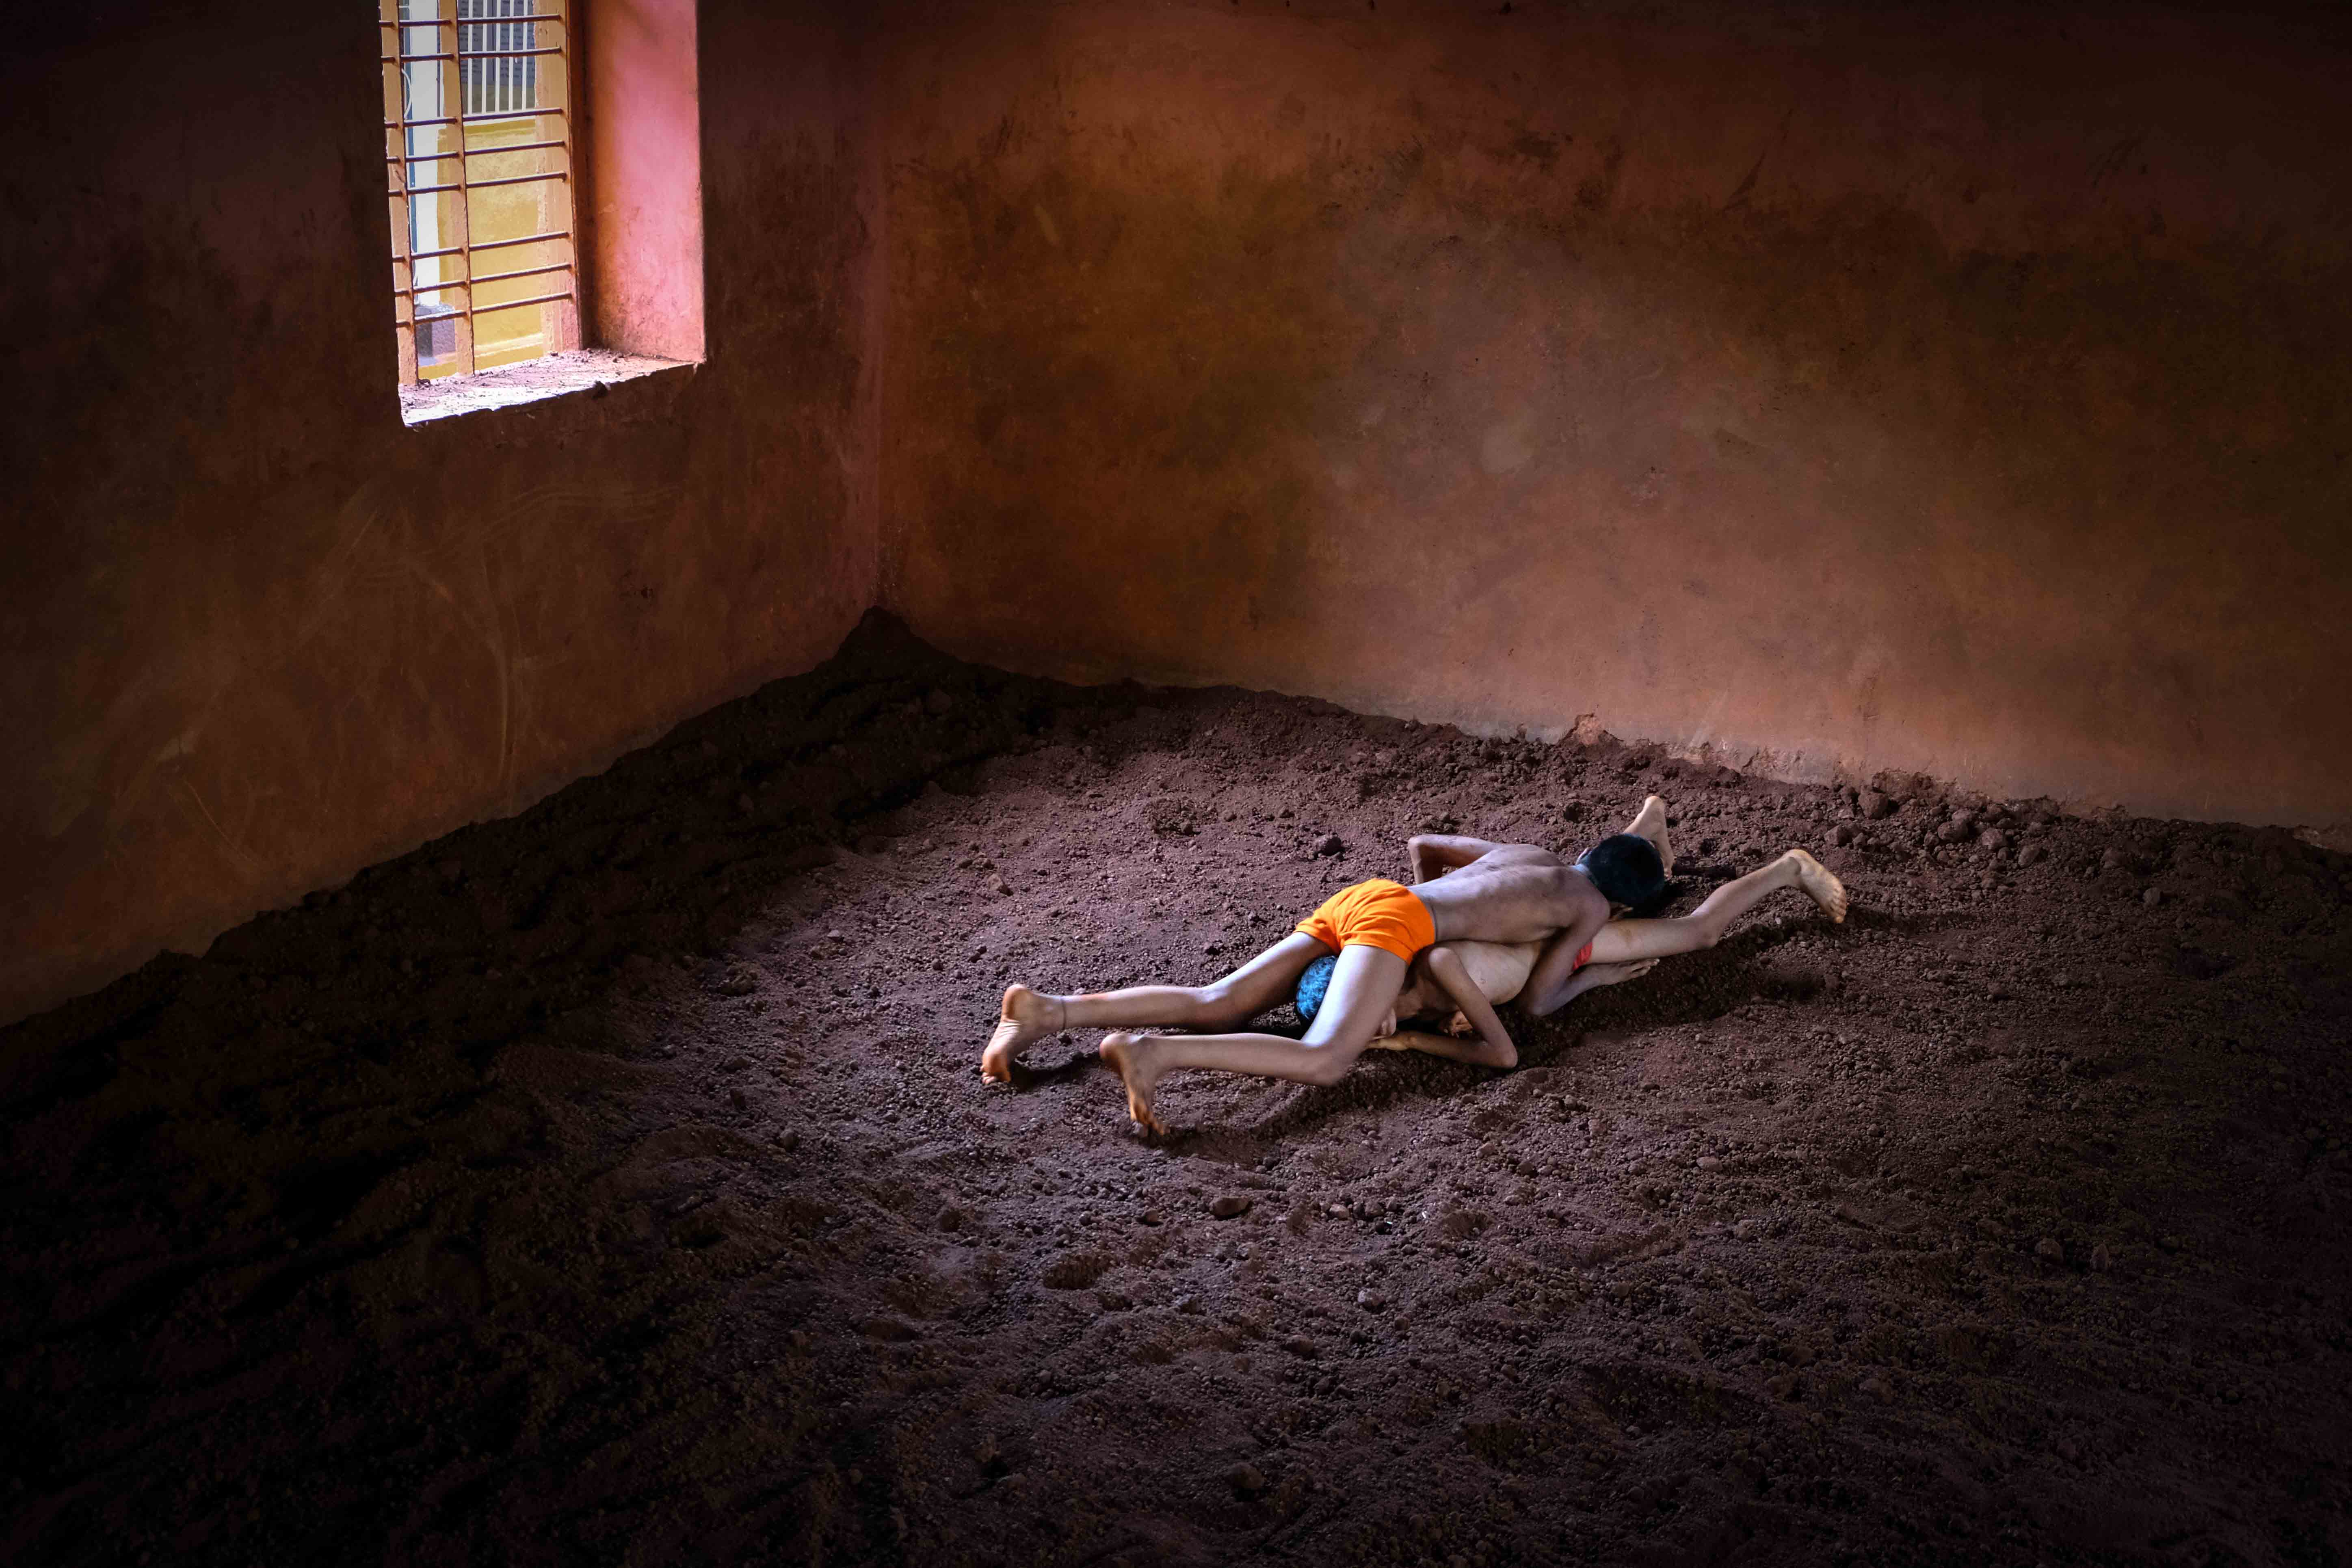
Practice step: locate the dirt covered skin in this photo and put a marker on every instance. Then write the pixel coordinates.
(617, 1183)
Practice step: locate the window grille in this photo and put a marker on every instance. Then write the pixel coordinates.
(501, 77)
(479, 149)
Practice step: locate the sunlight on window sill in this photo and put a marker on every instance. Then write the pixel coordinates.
(554, 375)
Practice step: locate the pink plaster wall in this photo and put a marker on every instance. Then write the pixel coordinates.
(258, 634)
(644, 126)
(1826, 388)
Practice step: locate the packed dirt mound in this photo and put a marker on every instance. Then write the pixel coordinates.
(615, 1183)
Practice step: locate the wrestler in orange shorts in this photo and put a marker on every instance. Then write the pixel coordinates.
(1396, 951)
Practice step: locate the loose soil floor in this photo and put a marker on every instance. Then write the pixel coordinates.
(615, 1184)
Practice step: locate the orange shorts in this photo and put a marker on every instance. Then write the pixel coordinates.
(1379, 913)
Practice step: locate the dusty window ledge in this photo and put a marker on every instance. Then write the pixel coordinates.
(575, 369)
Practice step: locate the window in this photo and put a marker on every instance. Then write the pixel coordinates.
(501, 74)
(478, 143)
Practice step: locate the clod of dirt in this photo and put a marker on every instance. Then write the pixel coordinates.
(1175, 815)
(1331, 844)
(738, 980)
(2050, 1250)
(1247, 1481)
(1077, 1270)
(1231, 1205)
(1371, 1301)
(1876, 806)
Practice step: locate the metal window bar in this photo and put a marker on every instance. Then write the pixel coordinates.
(414, 288)
(487, 245)
(470, 55)
(404, 161)
(457, 119)
(480, 184)
(480, 58)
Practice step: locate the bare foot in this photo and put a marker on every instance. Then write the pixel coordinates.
(1130, 1056)
(1650, 823)
(1026, 1015)
(1820, 886)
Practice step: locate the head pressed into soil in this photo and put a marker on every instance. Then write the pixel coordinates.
(1627, 870)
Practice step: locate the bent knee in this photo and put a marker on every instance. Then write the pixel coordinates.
(1217, 1005)
(1700, 934)
(1331, 1064)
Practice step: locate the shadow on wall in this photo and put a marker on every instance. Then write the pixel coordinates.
(261, 634)
(1483, 408)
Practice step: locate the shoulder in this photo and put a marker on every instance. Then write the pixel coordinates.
(1578, 887)
(1524, 855)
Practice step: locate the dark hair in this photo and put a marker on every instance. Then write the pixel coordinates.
(1627, 869)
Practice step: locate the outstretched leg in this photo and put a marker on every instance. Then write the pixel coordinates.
(1627, 941)
(1248, 991)
(1363, 989)
(1650, 823)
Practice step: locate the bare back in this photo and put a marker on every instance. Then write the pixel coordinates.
(1514, 893)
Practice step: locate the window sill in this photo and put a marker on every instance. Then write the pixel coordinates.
(553, 375)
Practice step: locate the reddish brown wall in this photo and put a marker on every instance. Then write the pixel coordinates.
(258, 633)
(1835, 387)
